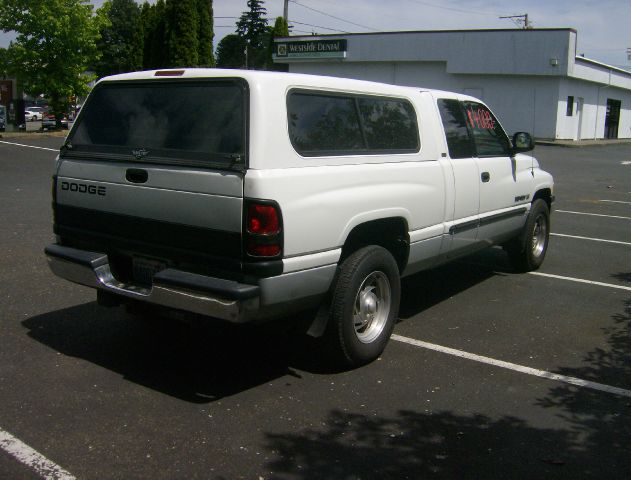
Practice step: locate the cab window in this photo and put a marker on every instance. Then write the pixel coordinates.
(488, 135)
(459, 140)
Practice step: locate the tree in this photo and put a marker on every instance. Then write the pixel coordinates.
(121, 43)
(181, 33)
(280, 29)
(154, 31)
(252, 27)
(205, 33)
(231, 52)
(55, 44)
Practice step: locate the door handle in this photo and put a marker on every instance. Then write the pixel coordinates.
(136, 175)
(486, 176)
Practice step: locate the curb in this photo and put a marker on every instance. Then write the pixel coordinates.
(582, 143)
(34, 134)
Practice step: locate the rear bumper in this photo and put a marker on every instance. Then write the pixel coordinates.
(214, 297)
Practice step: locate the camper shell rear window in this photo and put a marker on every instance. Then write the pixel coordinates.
(191, 122)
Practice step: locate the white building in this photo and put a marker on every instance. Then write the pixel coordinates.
(532, 79)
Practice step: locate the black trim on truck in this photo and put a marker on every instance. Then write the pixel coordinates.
(470, 225)
(124, 228)
(196, 249)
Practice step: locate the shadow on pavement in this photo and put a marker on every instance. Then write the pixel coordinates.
(194, 363)
(210, 360)
(413, 445)
(594, 441)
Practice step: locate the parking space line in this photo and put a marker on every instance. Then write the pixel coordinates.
(615, 201)
(581, 280)
(32, 458)
(592, 214)
(513, 366)
(590, 238)
(30, 146)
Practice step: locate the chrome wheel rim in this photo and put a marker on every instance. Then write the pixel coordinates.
(539, 236)
(372, 307)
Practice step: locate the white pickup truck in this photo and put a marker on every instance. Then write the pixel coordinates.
(247, 196)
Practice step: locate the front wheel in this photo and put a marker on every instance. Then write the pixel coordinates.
(527, 252)
(364, 306)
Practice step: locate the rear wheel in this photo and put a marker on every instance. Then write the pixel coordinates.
(527, 252)
(364, 306)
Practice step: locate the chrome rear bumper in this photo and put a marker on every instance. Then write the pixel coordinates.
(215, 297)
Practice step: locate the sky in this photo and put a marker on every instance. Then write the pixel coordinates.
(604, 28)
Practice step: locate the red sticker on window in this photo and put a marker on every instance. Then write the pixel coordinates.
(480, 118)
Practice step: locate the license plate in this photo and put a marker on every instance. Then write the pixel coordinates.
(144, 269)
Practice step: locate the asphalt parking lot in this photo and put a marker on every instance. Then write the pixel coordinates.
(490, 374)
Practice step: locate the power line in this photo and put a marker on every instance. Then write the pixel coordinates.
(289, 21)
(476, 12)
(333, 16)
(317, 26)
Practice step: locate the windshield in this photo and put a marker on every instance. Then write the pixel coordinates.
(192, 122)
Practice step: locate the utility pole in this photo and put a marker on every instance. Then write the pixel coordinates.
(518, 19)
(286, 11)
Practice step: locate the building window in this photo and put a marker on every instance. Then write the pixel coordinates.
(570, 106)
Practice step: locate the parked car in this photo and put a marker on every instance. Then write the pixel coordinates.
(32, 114)
(50, 123)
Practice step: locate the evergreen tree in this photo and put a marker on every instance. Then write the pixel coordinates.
(205, 33)
(154, 27)
(181, 33)
(158, 56)
(231, 52)
(252, 27)
(280, 29)
(121, 43)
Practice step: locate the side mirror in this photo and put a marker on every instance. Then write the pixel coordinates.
(522, 142)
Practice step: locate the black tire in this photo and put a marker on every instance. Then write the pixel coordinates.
(528, 251)
(364, 307)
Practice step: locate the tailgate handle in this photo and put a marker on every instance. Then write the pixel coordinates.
(136, 175)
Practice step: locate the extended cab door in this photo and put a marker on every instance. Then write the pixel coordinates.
(501, 208)
(463, 221)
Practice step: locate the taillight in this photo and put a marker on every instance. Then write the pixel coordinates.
(263, 219)
(263, 229)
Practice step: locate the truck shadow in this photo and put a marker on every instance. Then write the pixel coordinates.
(195, 363)
(206, 361)
(428, 288)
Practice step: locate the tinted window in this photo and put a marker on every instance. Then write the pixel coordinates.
(488, 134)
(459, 141)
(176, 121)
(321, 124)
(389, 124)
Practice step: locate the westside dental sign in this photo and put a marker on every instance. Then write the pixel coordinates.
(311, 49)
